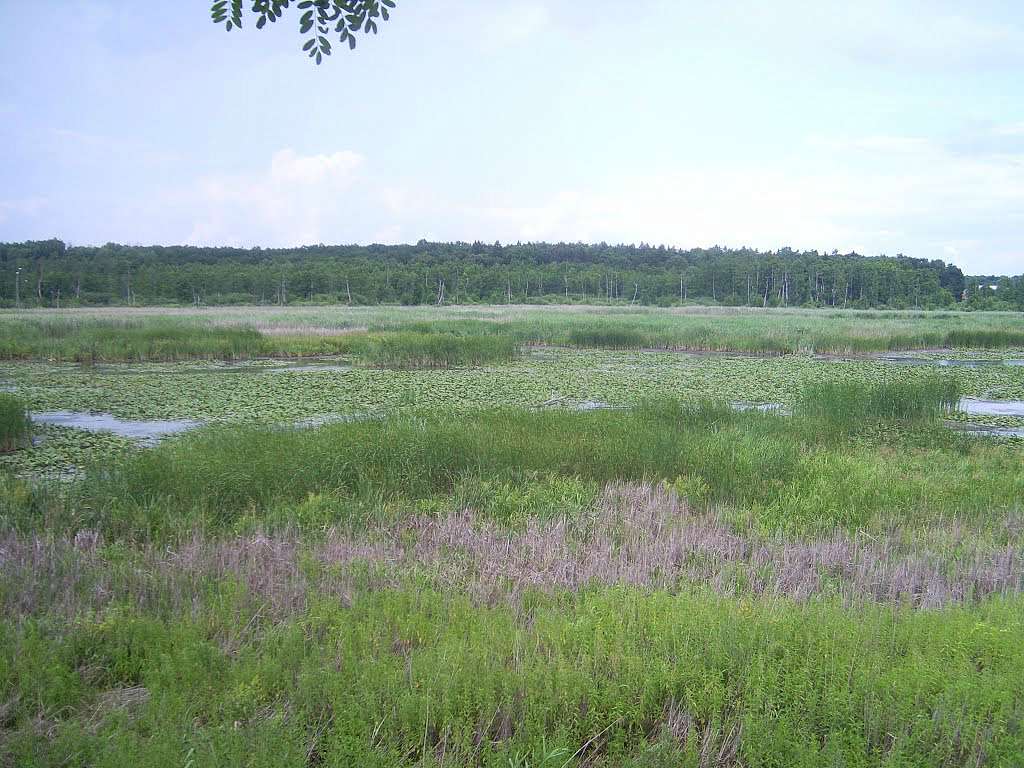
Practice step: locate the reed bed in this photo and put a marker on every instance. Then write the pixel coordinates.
(413, 349)
(149, 339)
(852, 405)
(135, 340)
(171, 334)
(15, 426)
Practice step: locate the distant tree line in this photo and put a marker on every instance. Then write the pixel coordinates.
(50, 273)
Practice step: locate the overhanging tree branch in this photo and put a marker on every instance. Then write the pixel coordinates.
(319, 19)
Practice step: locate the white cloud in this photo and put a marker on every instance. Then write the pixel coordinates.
(288, 167)
(914, 196)
(873, 194)
(298, 200)
(1013, 129)
(878, 147)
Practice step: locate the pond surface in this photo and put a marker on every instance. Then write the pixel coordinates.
(150, 432)
(981, 430)
(146, 431)
(949, 362)
(981, 407)
(310, 368)
(763, 407)
(324, 419)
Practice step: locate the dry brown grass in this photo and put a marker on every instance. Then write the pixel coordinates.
(639, 534)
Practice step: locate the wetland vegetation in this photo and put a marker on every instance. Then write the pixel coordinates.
(15, 427)
(439, 337)
(514, 536)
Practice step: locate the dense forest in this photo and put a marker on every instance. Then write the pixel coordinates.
(50, 273)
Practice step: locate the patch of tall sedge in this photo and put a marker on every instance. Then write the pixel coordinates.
(415, 349)
(985, 338)
(132, 340)
(851, 405)
(15, 426)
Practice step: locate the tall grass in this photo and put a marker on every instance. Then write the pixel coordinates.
(15, 426)
(234, 334)
(609, 336)
(988, 338)
(798, 473)
(766, 335)
(171, 339)
(95, 341)
(851, 405)
(411, 349)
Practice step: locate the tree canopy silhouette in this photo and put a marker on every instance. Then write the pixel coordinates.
(318, 22)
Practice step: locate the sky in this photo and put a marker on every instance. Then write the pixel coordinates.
(891, 126)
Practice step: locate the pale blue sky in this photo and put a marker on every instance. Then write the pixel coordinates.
(884, 127)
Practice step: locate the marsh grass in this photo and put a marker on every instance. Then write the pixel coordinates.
(609, 336)
(797, 474)
(173, 334)
(985, 338)
(416, 349)
(567, 535)
(150, 339)
(850, 406)
(15, 426)
(766, 335)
